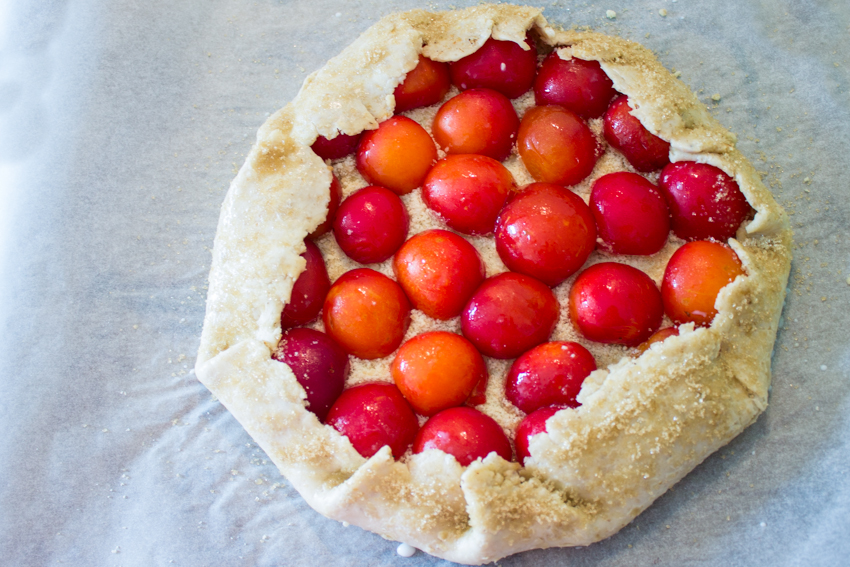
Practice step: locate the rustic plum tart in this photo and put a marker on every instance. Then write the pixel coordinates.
(487, 286)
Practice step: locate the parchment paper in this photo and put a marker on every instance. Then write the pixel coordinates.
(121, 126)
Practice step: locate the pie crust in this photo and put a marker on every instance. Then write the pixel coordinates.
(644, 422)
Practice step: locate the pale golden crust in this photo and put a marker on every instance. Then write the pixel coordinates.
(643, 424)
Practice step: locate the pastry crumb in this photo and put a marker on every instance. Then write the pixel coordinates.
(610, 14)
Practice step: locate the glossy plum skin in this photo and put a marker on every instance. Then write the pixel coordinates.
(631, 214)
(468, 191)
(694, 277)
(644, 150)
(437, 370)
(556, 146)
(615, 303)
(464, 433)
(374, 415)
(308, 292)
(545, 231)
(578, 85)
(333, 204)
(335, 148)
(439, 271)
(479, 393)
(397, 155)
(549, 374)
(319, 364)
(425, 84)
(509, 314)
(477, 121)
(657, 337)
(371, 224)
(530, 426)
(704, 202)
(367, 313)
(503, 66)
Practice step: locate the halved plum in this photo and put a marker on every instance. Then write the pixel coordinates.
(308, 292)
(556, 145)
(371, 224)
(693, 279)
(631, 214)
(397, 155)
(477, 121)
(367, 313)
(468, 191)
(465, 433)
(425, 84)
(374, 415)
(545, 231)
(437, 370)
(705, 203)
(439, 271)
(509, 314)
(643, 149)
(579, 85)
(549, 374)
(530, 426)
(337, 147)
(319, 364)
(500, 65)
(615, 303)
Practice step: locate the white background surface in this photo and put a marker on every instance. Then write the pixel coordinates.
(121, 125)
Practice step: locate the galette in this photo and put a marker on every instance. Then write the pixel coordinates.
(486, 285)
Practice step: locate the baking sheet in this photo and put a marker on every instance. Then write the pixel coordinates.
(121, 126)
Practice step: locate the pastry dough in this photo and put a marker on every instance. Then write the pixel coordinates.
(644, 422)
